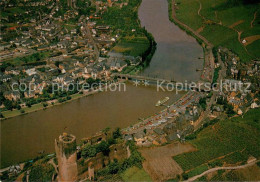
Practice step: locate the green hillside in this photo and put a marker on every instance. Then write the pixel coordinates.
(224, 23)
(229, 141)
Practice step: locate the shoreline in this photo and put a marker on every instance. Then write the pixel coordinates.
(73, 98)
(205, 44)
(49, 106)
(172, 17)
(122, 129)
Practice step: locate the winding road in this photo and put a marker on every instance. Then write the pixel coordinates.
(221, 168)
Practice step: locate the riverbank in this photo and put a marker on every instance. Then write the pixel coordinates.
(37, 107)
(186, 28)
(209, 65)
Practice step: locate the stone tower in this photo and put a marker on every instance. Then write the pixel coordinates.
(66, 154)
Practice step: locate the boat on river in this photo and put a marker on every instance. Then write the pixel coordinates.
(161, 102)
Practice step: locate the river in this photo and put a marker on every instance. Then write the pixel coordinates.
(177, 53)
(24, 136)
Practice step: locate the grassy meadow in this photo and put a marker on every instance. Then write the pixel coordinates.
(135, 174)
(134, 46)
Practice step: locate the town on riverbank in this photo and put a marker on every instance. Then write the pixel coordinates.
(64, 50)
(186, 140)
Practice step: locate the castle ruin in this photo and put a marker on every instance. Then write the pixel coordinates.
(66, 154)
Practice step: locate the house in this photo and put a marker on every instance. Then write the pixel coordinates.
(68, 80)
(63, 44)
(5, 78)
(6, 54)
(170, 128)
(73, 31)
(254, 105)
(12, 95)
(30, 71)
(118, 65)
(86, 75)
(140, 138)
(12, 70)
(4, 46)
(77, 73)
(158, 131)
(94, 73)
(172, 137)
(29, 94)
(59, 78)
(128, 137)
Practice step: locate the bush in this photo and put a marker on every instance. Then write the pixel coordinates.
(22, 111)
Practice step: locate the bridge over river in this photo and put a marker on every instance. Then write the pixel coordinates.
(199, 86)
(140, 77)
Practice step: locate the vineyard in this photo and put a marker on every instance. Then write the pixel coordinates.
(228, 141)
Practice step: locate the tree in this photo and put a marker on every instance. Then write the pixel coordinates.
(230, 110)
(185, 176)
(88, 151)
(41, 172)
(106, 130)
(202, 103)
(28, 104)
(113, 167)
(44, 104)
(8, 104)
(57, 63)
(103, 147)
(117, 133)
(18, 107)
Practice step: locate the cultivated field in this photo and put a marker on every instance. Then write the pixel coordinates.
(159, 163)
(224, 23)
(228, 142)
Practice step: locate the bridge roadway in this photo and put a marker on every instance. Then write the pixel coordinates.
(162, 82)
(139, 77)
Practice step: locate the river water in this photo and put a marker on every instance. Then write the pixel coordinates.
(24, 136)
(177, 53)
